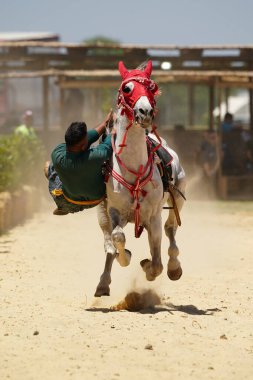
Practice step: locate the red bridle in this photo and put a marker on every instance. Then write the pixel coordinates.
(143, 86)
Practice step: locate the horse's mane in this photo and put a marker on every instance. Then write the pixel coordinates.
(143, 65)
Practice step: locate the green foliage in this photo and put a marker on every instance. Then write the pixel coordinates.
(99, 42)
(173, 105)
(107, 95)
(174, 109)
(21, 159)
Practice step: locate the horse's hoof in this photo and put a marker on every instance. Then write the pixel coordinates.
(151, 273)
(100, 292)
(124, 258)
(144, 262)
(175, 274)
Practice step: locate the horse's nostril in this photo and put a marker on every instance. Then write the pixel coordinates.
(142, 111)
(151, 112)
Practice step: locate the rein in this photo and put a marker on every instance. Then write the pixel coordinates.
(135, 190)
(145, 173)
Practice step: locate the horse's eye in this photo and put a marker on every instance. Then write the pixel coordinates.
(127, 89)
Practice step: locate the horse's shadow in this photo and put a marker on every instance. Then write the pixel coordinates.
(186, 309)
(166, 307)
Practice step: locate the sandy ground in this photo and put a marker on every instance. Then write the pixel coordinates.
(52, 327)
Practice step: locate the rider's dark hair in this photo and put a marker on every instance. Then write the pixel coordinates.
(75, 133)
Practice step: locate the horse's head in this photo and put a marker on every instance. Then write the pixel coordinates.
(137, 94)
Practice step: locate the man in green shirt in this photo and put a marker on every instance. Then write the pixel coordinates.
(75, 176)
(26, 129)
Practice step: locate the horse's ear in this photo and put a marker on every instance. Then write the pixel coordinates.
(122, 69)
(148, 69)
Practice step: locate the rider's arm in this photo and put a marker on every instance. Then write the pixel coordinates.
(102, 127)
(103, 151)
(94, 134)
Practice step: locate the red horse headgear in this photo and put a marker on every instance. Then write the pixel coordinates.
(143, 86)
(125, 74)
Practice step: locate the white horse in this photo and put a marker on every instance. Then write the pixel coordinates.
(134, 189)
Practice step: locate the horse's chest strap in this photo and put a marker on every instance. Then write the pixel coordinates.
(135, 190)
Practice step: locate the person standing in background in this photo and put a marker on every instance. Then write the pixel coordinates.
(26, 129)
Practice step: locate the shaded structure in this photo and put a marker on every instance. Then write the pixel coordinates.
(92, 66)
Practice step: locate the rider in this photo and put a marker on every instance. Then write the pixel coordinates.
(75, 175)
(75, 180)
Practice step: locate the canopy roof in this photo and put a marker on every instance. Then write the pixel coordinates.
(28, 36)
(231, 64)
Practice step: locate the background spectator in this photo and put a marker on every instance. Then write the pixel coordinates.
(227, 124)
(26, 129)
(208, 160)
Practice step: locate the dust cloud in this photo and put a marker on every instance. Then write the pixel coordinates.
(136, 301)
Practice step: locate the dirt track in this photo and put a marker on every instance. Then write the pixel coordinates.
(53, 328)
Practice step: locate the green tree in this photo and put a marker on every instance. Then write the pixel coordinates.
(98, 44)
(21, 160)
(101, 40)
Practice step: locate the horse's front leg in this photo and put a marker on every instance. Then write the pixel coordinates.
(154, 267)
(103, 288)
(174, 270)
(123, 255)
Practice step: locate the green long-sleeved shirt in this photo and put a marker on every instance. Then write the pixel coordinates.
(81, 172)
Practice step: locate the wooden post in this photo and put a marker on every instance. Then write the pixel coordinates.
(222, 181)
(251, 107)
(227, 90)
(211, 107)
(62, 105)
(219, 98)
(191, 104)
(45, 104)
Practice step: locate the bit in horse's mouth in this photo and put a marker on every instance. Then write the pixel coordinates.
(143, 124)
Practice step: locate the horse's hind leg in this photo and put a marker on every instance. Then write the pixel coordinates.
(123, 255)
(103, 288)
(174, 269)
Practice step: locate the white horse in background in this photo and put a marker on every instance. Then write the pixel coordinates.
(134, 188)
